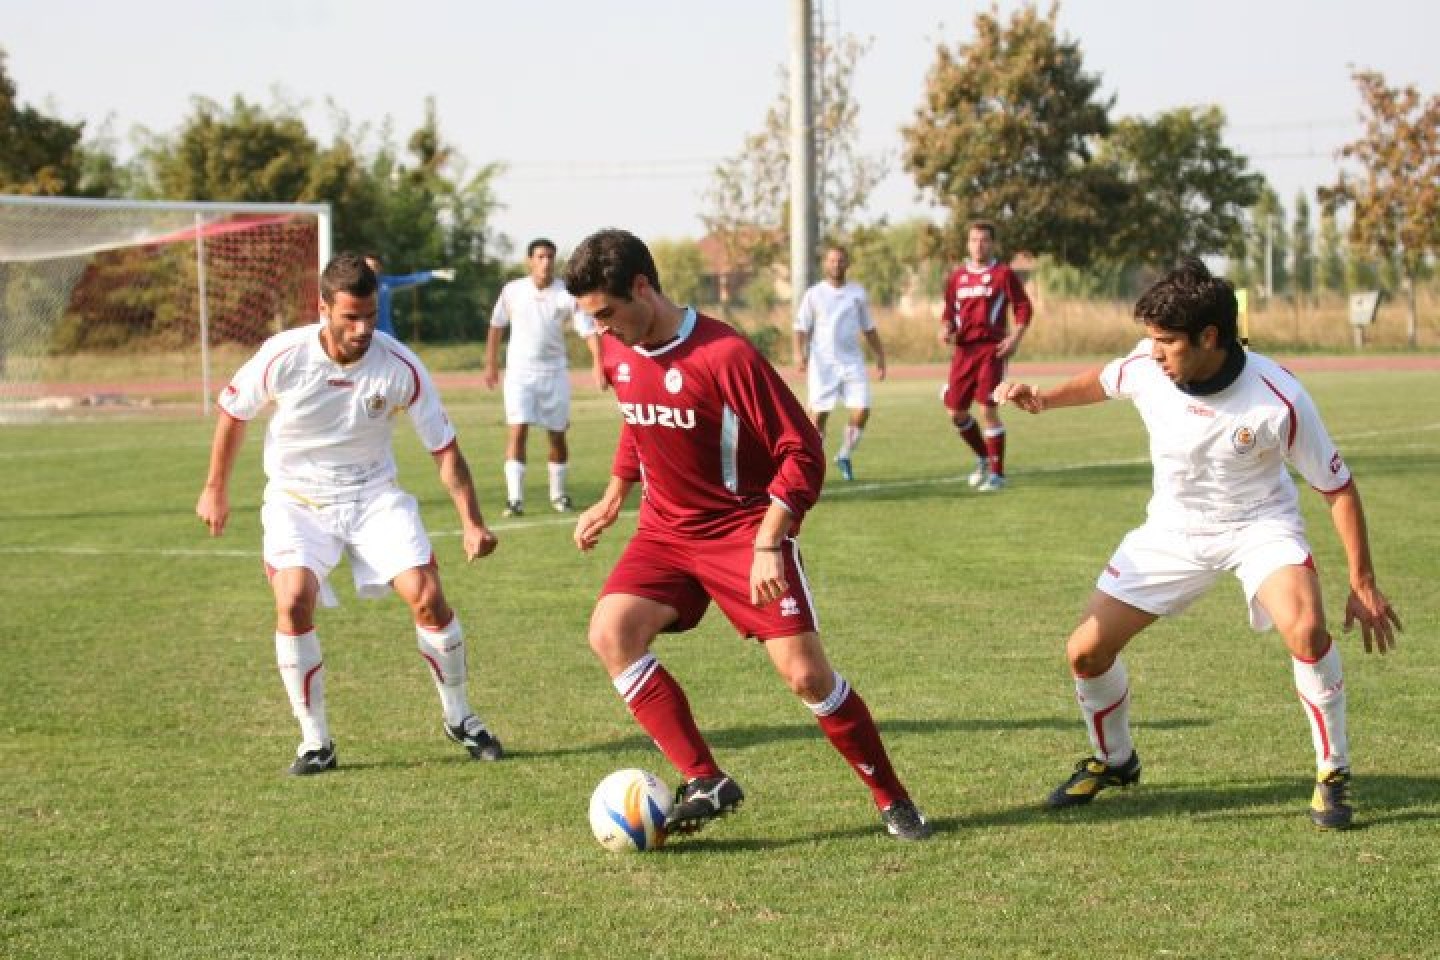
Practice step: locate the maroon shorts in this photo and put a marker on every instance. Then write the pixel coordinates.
(687, 575)
(975, 372)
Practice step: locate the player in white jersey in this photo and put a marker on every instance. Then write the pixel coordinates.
(336, 387)
(536, 309)
(1223, 424)
(832, 318)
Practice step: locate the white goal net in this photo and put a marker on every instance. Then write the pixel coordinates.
(109, 305)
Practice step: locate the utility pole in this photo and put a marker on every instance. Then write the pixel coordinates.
(802, 151)
(1269, 256)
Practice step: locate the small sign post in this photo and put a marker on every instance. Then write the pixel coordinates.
(1363, 307)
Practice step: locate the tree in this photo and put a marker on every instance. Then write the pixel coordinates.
(1331, 259)
(1188, 192)
(1007, 130)
(682, 269)
(1302, 248)
(39, 155)
(244, 153)
(748, 201)
(1395, 194)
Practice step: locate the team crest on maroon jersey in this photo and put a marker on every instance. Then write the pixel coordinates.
(1243, 439)
(673, 380)
(375, 405)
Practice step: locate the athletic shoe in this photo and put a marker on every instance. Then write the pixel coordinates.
(1090, 777)
(981, 471)
(904, 821)
(471, 734)
(993, 483)
(1330, 806)
(562, 503)
(514, 508)
(314, 761)
(701, 800)
(846, 470)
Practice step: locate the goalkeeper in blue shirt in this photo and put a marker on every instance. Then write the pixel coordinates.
(390, 283)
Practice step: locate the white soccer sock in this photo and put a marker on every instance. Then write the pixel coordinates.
(831, 703)
(444, 651)
(558, 473)
(852, 440)
(514, 481)
(1105, 701)
(1321, 686)
(303, 673)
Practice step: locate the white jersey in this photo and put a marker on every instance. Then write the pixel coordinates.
(1220, 459)
(330, 440)
(835, 317)
(537, 319)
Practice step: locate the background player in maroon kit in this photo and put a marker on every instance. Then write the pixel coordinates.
(977, 294)
(730, 464)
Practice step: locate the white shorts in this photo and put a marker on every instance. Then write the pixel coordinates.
(542, 399)
(1163, 571)
(382, 536)
(829, 383)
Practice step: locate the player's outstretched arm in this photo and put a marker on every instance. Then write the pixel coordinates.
(492, 357)
(1365, 604)
(603, 514)
(1075, 392)
(455, 475)
(597, 363)
(213, 507)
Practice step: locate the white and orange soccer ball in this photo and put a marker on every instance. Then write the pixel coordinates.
(628, 811)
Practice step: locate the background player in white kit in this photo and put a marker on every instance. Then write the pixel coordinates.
(336, 387)
(832, 317)
(535, 309)
(1223, 423)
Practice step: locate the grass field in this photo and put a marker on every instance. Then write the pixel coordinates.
(143, 728)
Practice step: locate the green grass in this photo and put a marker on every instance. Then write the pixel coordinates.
(143, 729)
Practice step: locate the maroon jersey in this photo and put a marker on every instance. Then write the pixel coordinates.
(975, 302)
(712, 431)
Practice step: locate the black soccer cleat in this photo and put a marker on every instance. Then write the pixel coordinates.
(314, 761)
(702, 800)
(563, 504)
(1090, 777)
(514, 508)
(904, 821)
(472, 734)
(1330, 804)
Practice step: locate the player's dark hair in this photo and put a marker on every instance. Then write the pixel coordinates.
(987, 225)
(536, 244)
(347, 272)
(608, 262)
(1187, 300)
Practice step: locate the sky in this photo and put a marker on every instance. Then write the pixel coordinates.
(616, 113)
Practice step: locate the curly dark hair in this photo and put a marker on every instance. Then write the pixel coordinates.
(347, 272)
(1187, 300)
(608, 262)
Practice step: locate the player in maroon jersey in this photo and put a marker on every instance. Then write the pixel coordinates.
(730, 464)
(977, 294)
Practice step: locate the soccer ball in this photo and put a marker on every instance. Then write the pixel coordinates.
(628, 811)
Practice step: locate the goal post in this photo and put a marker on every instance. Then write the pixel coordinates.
(124, 304)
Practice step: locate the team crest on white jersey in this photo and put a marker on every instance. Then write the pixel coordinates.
(622, 373)
(375, 405)
(673, 380)
(1243, 439)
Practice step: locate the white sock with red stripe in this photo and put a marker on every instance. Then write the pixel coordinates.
(444, 651)
(851, 441)
(1105, 701)
(303, 673)
(1322, 692)
(514, 481)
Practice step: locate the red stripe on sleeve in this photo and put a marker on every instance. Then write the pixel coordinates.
(1290, 441)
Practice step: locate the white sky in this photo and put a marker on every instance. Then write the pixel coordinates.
(614, 113)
